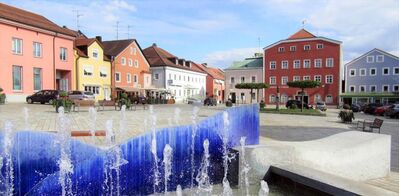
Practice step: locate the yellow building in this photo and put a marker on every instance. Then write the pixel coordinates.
(93, 68)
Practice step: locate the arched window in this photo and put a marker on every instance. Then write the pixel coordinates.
(284, 98)
(272, 98)
(317, 97)
(329, 99)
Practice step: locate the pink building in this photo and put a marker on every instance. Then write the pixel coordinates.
(35, 53)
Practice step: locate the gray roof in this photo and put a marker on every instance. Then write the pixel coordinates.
(248, 63)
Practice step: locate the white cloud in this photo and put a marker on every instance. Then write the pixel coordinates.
(224, 59)
(120, 4)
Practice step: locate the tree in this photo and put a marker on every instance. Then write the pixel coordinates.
(252, 86)
(302, 85)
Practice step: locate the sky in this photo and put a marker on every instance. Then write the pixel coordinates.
(219, 32)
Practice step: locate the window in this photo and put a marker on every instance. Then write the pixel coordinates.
(135, 79)
(284, 64)
(17, 78)
(297, 64)
(130, 63)
(93, 89)
(136, 63)
(306, 47)
(132, 50)
(272, 64)
(88, 70)
(253, 79)
(352, 89)
(317, 78)
(272, 80)
(385, 88)
(242, 79)
(396, 88)
(306, 77)
(123, 61)
(385, 71)
(373, 88)
(329, 79)
(373, 71)
(317, 98)
(306, 63)
(297, 78)
(329, 62)
(284, 98)
(329, 99)
(129, 78)
(117, 77)
(156, 76)
(317, 63)
(370, 59)
(362, 72)
(95, 53)
(380, 58)
(37, 79)
(103, 72)
(37, 49)
(281, 49)
(396, 71)
(63, 54)
(319, 46)
(272, 98)
(232, 80)
(352, 72)
(292, 48)
(284, 80)
(362, 88)
(16, 46)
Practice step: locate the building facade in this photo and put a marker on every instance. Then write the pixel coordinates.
(180, 78)
(130, 69)
(303, 56)
(215, 84)
(249, 70)
(93, 68)
(372, 77)
(36, 54)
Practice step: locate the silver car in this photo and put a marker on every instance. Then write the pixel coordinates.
(321, 106)
(81, 95)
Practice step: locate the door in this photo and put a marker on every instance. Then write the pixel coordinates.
(106, 94)
(233, 97)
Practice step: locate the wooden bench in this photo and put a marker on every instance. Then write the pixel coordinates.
(376, 124)
(87, 133)
(83, 103)
(103, 103)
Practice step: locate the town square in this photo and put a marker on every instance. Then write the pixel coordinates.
(125, 97)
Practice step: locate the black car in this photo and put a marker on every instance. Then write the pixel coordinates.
(297, 103)
(356, 107)
(370, 108)
(43, 96)
(393, 111)
(210, 101)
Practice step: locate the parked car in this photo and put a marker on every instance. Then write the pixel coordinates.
(81, 95)
(381, 110)
(321, 106)
(194, 101)
(210, 101)
(393, 111)
(297, 103)
(356, 107)
(370, 108)
(43, 96)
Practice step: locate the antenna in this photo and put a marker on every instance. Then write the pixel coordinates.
(303, 23)
(78, 15)
(128, 31)
(117, 30)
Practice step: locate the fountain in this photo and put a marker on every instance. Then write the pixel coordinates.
(26, 118)
(93, 122)
(224, 136)
(193, 133)
(203, 179)
(264, 189)
(179, 191)
(244, 182)
(154, 151)
(177, 116)
(7, 157)
(122, 121)
(167, 162)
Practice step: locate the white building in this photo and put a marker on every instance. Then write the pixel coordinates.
(182, 79)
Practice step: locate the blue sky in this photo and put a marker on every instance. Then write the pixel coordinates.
(221, 31)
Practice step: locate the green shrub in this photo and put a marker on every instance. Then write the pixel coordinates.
(229, 103)
(262, 104)
(293, 106)
(346, 115)
(64, 102)
(63, 94)
(2, 96)
(123, 100)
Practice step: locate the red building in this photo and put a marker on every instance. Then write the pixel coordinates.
(303, 56)
(214, 82)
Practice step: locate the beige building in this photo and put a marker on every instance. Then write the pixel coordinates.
(249, 70)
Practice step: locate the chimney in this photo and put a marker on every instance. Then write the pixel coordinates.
(99, 38)
(258, 54)
(154, 44)
(64, 27)
(205, 64)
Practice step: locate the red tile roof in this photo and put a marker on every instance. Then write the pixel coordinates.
(216, 73)
(301, 34)
(31, 19)
(158, 57)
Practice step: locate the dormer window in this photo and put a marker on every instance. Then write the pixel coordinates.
(281, 49)
(95, 53)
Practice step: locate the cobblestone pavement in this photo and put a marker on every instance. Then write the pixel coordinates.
(44, 118)
(303, 128)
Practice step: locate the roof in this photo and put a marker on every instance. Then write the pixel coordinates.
(81, 45)
(216, 73)
(248, 63)
(77, 34)
(158, 57)
(301, 34)
(29, 18)
(367, 53)
(114, 47)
